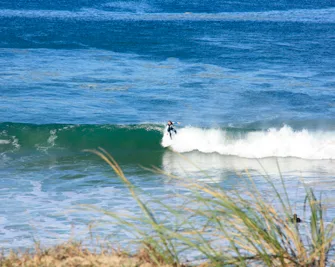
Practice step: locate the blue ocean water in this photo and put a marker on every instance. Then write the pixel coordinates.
(248, 81)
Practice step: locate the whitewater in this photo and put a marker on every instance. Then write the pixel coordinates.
(282, 142)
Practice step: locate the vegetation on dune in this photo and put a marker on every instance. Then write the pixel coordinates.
(215, 226)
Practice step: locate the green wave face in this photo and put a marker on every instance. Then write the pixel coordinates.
(31, 138)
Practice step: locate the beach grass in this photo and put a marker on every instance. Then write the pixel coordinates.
(232, 227)
(208, 226)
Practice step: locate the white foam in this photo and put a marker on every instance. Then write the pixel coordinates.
(283, 142)
(131, 6)
(50, 142)
(14, 142)
(218, 166)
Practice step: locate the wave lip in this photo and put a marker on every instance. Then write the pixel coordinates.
(283, 142)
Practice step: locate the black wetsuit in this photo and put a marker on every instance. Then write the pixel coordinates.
(170, 129)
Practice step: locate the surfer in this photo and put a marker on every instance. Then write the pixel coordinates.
(170, 128)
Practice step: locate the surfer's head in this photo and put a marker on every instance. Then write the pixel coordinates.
(170, 123)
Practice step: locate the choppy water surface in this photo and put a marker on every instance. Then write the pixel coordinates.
(251, 83)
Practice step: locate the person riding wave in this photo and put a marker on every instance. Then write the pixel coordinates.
(170, 128)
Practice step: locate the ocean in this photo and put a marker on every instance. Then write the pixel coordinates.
(250, 83)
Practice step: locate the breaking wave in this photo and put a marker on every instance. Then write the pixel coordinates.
(283, 142)
(240, 142)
